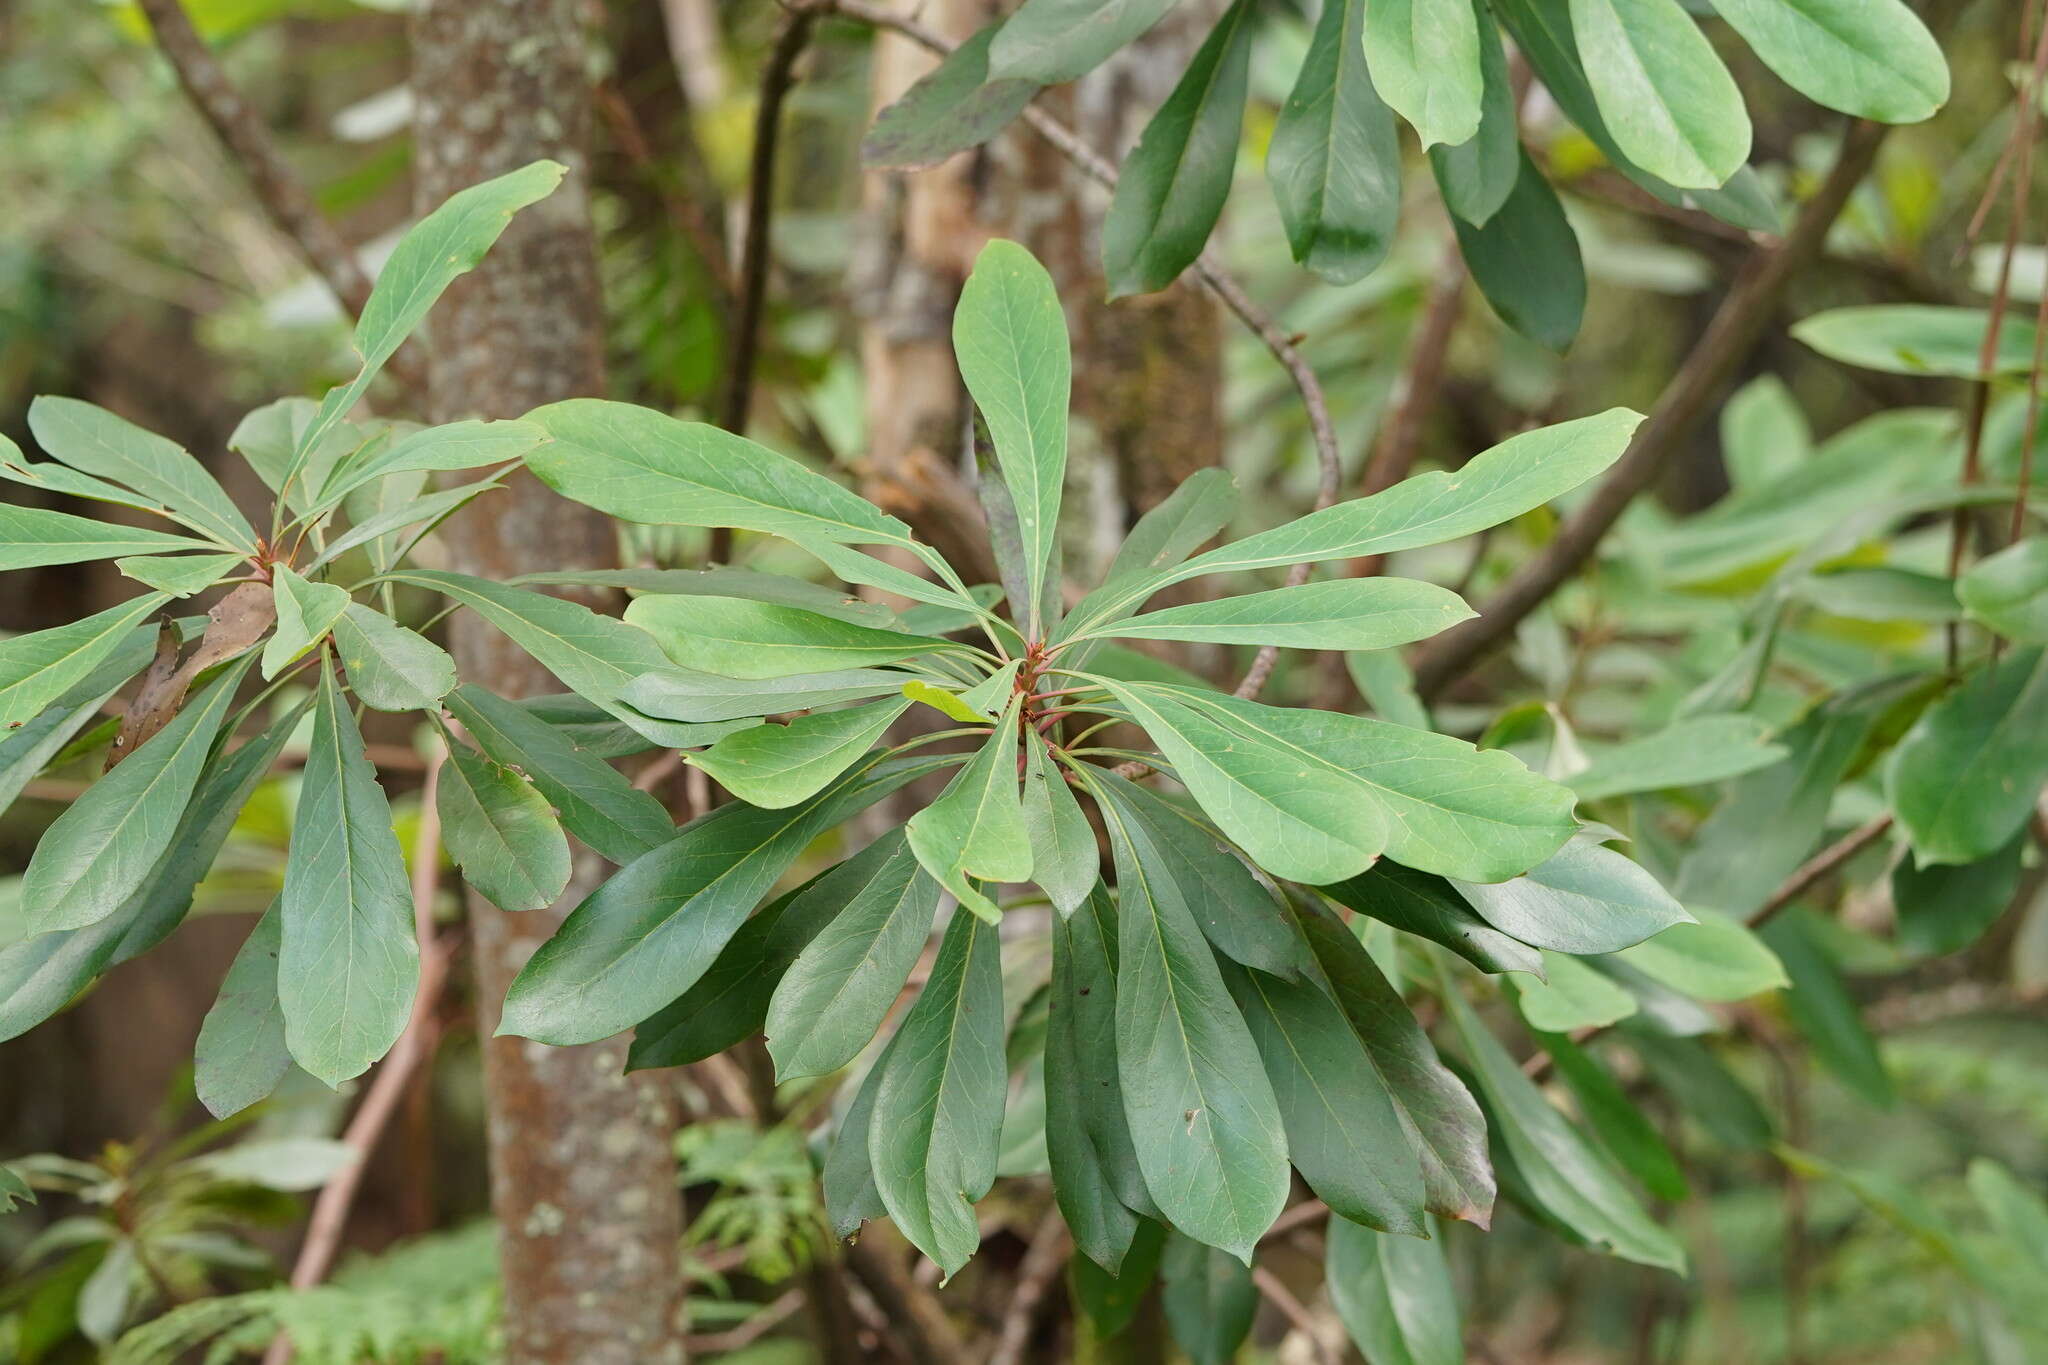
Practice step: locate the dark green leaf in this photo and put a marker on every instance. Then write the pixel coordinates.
(1394, 1296)
(1088, 1140)
(389, 667)
(1821, 1006)
(1704, 1088)
(1965, 778)
(1335, 159)
(1620, 1125)
(1476, 176)
(1585, 899)
(1109, 1301)
(1944, 908)
(241, 1053)
(1049, 41)
(848, 1179)
(780, 765)
(501, 832)
(1172, 186)
(1209, 1300)
(1525, 259)
(954, 107)
(1430, 907)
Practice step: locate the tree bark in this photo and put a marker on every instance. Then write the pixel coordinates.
(582, 1174)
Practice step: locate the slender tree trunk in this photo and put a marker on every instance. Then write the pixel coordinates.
(582, 1176)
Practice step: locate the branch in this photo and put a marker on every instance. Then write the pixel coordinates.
(914, 1314)
(278, 188)
(1282, 1298)
(1047, 1255)
(1736, 329)
(1207, 268)
(380, 1102)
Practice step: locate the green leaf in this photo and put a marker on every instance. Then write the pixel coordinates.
(1965, 778)
(938, 1112)
(266, 438)
(96, 442)
(1525, 259)
(1088, 1140)
(348, 964)
(389, 667)
(1918, 339)
(1668, 101)
(1343, 1134)
(1064, 859)
(447, 243)
(305, 613)
(1715, 958)
(1584, 899)
(1424, 56)
(946, 703)
(953, 107)
(38, 668)
(1571, 996)
(1945, 908)
(31, 537)
(179, 575)
(1444, 1126)
(1335, 158)
(241, 1053)
(1567, 1177)
(1010, 336)
(1822, 1008)
(1340, 613)
(2009, 591)
(1109, 1301)
(1476, 176)
(29, 747)
(1172, 185)
(1209, 1300)
(592, 799)
(1049, 41)
(822, 598)
(2014, 1208)
(1394, 1296)
(1386, 682)
(1686, 753)
(687, 695)
(1427, 906)
(741, 639)
(1622, 1127)
(102, 849)
(40, 976)
(646, 936)
(1870, 58)
(729, 1003)
(14, 1190)
(457, 445)
(1764, 433)
(1703, 1088)
(1238, 914)
(1174, 528)
(976, 826)
(779, 765)
(841, 986)
(377, 531)
(1445, 806)
(1213, 1149)
(501, 832)
(645, 466)
(848, 1179)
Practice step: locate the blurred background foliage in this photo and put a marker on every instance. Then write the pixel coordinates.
(1848, 1159)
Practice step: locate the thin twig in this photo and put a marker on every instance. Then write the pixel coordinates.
(1207, 268)
(1050, 1247)
(1282, 1298)
(770, 1317)
(915, 1317)
(337, 1197)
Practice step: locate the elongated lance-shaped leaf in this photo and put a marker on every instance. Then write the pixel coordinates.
(1870, 58)
(372, 531)
(101, 850)
(1526, 260)
(1668, 101)
(179, 575)
(1340, 613)
(38, 668)
(389, 667)
(96, 442)
(1424, 56)
(456, 445)
(1173, 184)
(976, 827)
(1444, 1123)
(1427, 906)
(447, 243)
(26, 749)
(42, 975)
(1967, 775)
(645, 466)
(1064, 859)
(1202, 1115)
(1174, 528)
(1049, 41)
(951, 108)
(1394, 1296)
(1571, 995)
(1476, 176)
(723, 581)
(1687, 753)
(1010, 336)
(1582, 899)
(1208, 1298)
(1335, 157)
(1521, 473)
(348, 964)
(2008, 591)
(780, 765)
(1343, 1133)
(693, 697)
(848, 1180)
(501, 832)
(737, 638)
(858, 566)
(305, 613)
(1567, 1176)
(591, 798)
(241, 1054)
(938, 1113)
(645, 936)
(841, 986)
(1821, 1006)
(1087, 1138)
(33, 536)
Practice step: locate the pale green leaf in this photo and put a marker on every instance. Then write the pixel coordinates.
(2009, 591)
(737, 638)
(780, 765)
(1687, 753)
(1713, 959)
(305, 613)
(1341, 613)
(179, 575)
(1335, 158)
(241, 1055)
(1918, 339)
(1571, 996)
(31, 537)
(1583, 899)
(692, 697)
(1871, 58)
(1668, 101)
(953, 107)
(97, 443)
(389, 667)
(976, 828)
(1394, 1296)
(1064, 860)
(1424, 56)
(1049, 41)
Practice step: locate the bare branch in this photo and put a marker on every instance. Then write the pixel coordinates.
(1050, 1247)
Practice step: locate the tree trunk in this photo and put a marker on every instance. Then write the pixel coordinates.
(582, 1175)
